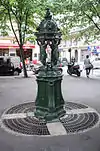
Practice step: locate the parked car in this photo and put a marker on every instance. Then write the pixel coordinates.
(96, 63)
(10, 65)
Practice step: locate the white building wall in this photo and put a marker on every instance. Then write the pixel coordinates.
(79, 54)
(72, 53)
(5, 41)
(67, 55)
(12, 52)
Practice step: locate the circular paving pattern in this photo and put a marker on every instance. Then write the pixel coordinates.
(20, 120)
(29, 107)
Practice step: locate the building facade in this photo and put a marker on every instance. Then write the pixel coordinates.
(78, 49)
(9, 48)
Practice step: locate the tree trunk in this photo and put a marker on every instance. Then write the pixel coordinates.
(23, 62)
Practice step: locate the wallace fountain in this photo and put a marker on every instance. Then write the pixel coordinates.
(49, 114)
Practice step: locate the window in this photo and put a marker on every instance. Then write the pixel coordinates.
(12, 54)
(35, 54)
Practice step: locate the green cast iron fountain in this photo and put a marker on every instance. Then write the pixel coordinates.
(49, 102)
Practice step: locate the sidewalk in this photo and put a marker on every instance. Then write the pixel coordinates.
(16, 91)
(94, 74)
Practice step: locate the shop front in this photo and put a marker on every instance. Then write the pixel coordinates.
(11, 49)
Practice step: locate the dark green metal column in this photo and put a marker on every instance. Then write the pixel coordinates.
(49, 102)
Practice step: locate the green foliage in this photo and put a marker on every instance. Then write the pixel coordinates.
(82, 14)
(24, 16)
(27, 14)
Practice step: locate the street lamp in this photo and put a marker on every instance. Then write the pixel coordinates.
(49, 102)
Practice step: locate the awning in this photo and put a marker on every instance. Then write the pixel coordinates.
(16, 46)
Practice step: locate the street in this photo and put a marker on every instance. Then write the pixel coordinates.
(43, 106)
(17, 90)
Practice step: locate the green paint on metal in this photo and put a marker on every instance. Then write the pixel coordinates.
(49, 102)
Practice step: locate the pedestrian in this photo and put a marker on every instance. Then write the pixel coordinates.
(88, 65)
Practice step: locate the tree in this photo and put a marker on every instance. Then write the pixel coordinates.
(88, 16)
(22, 15)
(79, 13)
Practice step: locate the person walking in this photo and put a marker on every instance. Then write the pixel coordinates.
(88, 65)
